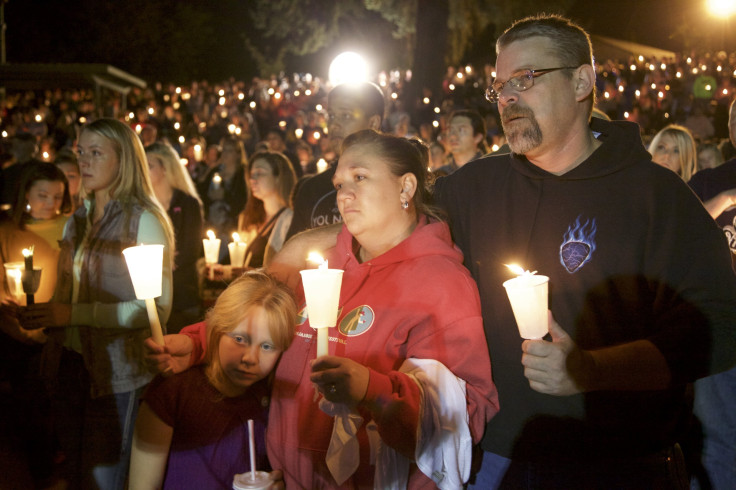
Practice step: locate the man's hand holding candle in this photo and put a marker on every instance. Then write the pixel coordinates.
(549, 366)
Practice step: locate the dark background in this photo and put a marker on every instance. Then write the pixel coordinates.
(184, 40)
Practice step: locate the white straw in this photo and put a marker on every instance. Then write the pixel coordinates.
(252, 447)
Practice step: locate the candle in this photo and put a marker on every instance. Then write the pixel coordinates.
(29, 280)
(216, 180)
(322, 292)
(145, 265)
(528, 297)
(237, 251)
(14, 275)
(211, 251)
(28, 256)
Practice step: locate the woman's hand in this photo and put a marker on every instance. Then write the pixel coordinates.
(340, 380)
(45, 315)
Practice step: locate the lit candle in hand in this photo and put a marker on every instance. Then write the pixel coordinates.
(237, 251)
(528, 297)
(211, 251)
(322, 292)
(28, 278)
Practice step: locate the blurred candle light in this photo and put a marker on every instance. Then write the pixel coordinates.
(211, 251)
(237, 251)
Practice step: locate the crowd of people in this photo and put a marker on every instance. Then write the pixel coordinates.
(579, 170)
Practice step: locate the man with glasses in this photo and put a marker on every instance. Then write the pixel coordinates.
(350, 108)
(466, 140)
(640, 289)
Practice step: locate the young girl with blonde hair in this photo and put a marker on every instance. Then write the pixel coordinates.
(191, 428)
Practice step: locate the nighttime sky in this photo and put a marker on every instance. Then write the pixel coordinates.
(86, 31)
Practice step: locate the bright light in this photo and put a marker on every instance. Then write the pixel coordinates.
(252, 104)
(307, 92)
(241, 96)
(39, 118)
(150, 110)
(182, 139)
(436, 110)
(282, 124)
(221, 93)
(626, 114)
(298, 132)
(721, 8)
(318, 108)
(436, 124)
(632, 67)
(222, 101)
(426, 100)
(316, 135)
(177, 126)
(348, 67)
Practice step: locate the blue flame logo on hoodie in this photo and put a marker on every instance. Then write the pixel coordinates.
(578, 245)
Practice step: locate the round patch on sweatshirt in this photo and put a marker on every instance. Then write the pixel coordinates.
(301, 316)
(357, 321)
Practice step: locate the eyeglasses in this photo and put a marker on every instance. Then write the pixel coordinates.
(523, 81)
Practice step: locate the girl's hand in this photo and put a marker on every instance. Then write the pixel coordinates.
(340, 380)
(45, 315)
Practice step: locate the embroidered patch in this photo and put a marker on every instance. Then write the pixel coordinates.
(578, 245)
(301, 316)
(357, 321)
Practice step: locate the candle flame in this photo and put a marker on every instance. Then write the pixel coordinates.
(28, 252)
(210, 234)
(317, 259)
(236, 237)
(518, 270)
(216, 178)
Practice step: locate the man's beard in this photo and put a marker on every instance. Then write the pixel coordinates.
(521, 138)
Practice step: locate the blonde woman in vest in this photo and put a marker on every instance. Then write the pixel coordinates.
(95, 324)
